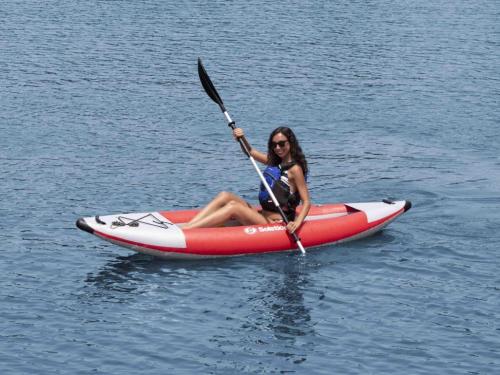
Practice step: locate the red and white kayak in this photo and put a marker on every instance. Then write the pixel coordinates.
(160, 233)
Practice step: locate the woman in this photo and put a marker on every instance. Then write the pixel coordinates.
(286, 163)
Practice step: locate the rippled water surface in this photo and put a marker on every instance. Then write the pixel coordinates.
(102, 112)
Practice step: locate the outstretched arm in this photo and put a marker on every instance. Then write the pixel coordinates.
(256, 154)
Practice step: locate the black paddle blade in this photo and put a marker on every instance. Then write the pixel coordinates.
(209, 86)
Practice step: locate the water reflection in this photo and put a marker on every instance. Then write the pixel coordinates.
(284, 310)
(265, 298)
(289, 316)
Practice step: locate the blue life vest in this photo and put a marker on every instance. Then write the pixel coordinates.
(277, 179)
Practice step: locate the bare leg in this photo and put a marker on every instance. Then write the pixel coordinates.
(218, 202)
(232, 210)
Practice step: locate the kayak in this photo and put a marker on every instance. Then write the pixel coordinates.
(160, 233)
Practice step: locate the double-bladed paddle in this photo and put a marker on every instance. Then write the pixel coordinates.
(212, 93)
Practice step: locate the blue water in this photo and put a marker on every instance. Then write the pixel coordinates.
(102, 112)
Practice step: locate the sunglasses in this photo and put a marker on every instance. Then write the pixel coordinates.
(279, 143)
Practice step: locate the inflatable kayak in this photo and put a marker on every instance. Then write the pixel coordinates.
(160, 233)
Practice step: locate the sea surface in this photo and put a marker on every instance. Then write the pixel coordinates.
(101, 111)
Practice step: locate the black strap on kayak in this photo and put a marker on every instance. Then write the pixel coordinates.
(98, 220)
(135, 222)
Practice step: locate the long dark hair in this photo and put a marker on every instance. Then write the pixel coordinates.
(295, 150)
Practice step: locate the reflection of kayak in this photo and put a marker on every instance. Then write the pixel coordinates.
(159, 233)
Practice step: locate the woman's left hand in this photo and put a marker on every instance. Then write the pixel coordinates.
(292, 227)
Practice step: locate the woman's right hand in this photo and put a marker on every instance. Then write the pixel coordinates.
(238, 133)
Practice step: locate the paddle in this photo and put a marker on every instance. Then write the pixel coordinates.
(212, 93)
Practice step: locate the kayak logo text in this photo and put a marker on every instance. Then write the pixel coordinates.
(253, 230)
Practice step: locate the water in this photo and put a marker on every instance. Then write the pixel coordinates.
(102, 112)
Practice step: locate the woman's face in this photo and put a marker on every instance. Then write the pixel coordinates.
(280, 145)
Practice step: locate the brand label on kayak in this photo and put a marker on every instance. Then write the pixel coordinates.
(254, 230)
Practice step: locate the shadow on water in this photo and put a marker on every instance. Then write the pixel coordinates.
(123, 277)
(118, 273)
